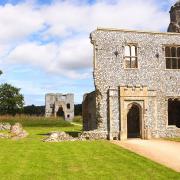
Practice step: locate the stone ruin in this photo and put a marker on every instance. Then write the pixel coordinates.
(58, 137)
(16, 131)
(5, 126)
(60, 105)
(86, 135)
(174, 25)
(136, 76)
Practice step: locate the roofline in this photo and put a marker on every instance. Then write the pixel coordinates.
(137, 31)
(59, 94)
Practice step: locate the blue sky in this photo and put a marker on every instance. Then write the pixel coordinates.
(45, 46)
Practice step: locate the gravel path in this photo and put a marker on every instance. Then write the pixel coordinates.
(161, 151)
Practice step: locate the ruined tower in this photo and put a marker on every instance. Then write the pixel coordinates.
(60, 105)
(174, 25)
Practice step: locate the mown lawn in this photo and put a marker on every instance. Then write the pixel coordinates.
(173, 139)
(31, 158)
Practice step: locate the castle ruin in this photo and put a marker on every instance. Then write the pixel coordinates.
(60, 105)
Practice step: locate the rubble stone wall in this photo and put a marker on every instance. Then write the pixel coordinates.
(110, 73)
(89, 111)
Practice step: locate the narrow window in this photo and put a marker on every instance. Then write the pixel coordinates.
(172, 54)
(178, 52)
(131, 56)
(168, 52)
(174, 112)
(68, 106)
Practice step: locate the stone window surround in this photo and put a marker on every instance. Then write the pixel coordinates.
(124, 57)
(68, 105)
(163, 48)
(167, 98)
(169, 51)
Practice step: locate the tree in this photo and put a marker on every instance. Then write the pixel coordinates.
(11, 101)
(1, 72)
(34, 110)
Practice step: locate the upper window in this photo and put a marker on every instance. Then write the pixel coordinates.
(172, 57)
(68, 106)
(131, 56)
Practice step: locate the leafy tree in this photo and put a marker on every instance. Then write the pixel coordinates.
(1, 72)
(11, 101)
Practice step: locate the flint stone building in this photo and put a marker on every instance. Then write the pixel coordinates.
(60, 105)
(174, 25)
(137, 85)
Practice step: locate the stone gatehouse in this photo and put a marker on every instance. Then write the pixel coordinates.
(137, 84)
(60, 105)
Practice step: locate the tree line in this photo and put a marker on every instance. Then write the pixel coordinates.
(40, 110)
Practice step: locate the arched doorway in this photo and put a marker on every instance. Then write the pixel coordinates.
(60, 112)
(133, 121)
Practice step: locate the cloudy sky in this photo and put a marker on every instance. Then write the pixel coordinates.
(45, 46)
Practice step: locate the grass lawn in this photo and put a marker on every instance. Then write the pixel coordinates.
(173, 139)
(31, 158)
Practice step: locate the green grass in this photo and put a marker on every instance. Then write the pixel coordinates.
(78, 119)
(33, 159)
(173, 139)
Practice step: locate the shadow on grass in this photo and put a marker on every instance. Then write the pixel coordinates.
(44, 134)
(73, 133)
(41, 123)
(36, 121)
(47, 125)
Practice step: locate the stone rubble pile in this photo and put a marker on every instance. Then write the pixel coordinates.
(5, 126)
(58, 137)
(86, 135)
(16, 131)
(93, 135)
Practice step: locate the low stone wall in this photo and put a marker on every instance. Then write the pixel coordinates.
(170, 132)
(93, 135)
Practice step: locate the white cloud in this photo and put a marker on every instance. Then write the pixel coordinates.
(65, 59)
(72, 56)
(65, 18)
(18, 21)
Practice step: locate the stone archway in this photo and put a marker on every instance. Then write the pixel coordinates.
(60, 112)
(134, 121)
